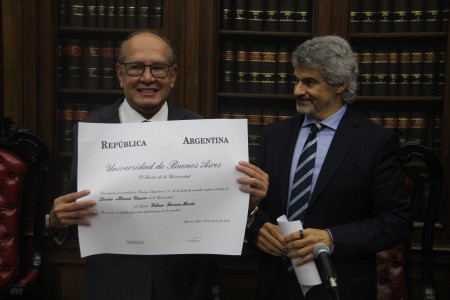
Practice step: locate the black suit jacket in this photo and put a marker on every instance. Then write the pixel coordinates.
(158, 277)
(359, 196)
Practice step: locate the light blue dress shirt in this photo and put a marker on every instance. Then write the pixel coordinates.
(324, 138)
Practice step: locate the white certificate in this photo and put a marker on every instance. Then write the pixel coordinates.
(164, 187)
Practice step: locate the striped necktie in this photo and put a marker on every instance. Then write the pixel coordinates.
(301, 187)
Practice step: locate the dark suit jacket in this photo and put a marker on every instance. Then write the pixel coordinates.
(359, 196)
(159, 277)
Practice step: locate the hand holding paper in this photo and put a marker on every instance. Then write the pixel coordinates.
(307, 274)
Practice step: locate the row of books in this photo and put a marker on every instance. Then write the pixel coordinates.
(88, 64)
(110, 13)
(255, 68)
(405, 71)
(267, 15)
(384, 71)
(412, 126)
(399, 16)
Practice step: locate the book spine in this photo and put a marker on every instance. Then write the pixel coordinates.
(90, 13)
(63, 12)
(271, 16)
(287, 15)
(432, 15)
(227, 67)
(254, 57)
(283, 69)
(59, 69)
(394, 58)
(368, 16)
(116, 55)
(404, 125)
(417, 16)
(418, 127)
(120, 14)
(241, 14)
(430, 71)
(380, 71)
(242, 68)
(106, 57)
(437, 134)
(441, 71)
(404, 71)
(416, 70)
(110, 14)
(130, 14)
(101, 13)
(71, 63)
(366, 60)
(75, 13)
(303, 19)
(444, 15)
(156, 11)
(355, 16)
(142, 14)
(66, 118)
(256, 15)
(227, 15)
(268, 69)
(385, 16)
(401, 9)
(91, 64)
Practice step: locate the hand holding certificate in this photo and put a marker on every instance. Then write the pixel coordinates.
(307, 274)
(163, 187)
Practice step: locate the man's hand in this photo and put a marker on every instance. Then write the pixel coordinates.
(270, 240)
(302, 247)
(67, 211)
(256, 185)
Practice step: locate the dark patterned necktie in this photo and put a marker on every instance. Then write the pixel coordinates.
(301, 187)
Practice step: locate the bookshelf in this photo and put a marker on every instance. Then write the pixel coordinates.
(256, 39)
(402, 47)
(88, 34)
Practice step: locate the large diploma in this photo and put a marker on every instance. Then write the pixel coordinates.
(163, 187)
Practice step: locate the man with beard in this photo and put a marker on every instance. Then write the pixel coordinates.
(355, 202)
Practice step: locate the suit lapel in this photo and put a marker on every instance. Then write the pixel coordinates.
(343, 141)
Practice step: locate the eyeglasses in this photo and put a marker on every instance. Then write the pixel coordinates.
(136, 69)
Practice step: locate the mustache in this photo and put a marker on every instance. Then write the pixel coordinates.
(305, 97)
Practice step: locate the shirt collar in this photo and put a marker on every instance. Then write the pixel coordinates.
(127, 114)
(331, 122)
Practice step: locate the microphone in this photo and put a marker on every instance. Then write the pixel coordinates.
(327, 272)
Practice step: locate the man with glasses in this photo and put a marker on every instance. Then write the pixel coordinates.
(147, 71)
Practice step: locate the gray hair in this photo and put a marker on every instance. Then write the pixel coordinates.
(334, 58)
(121, 55)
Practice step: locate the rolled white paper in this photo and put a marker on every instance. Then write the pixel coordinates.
(307, 274)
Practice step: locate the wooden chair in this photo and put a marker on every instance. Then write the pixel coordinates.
(24, 167)
(424, 179)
